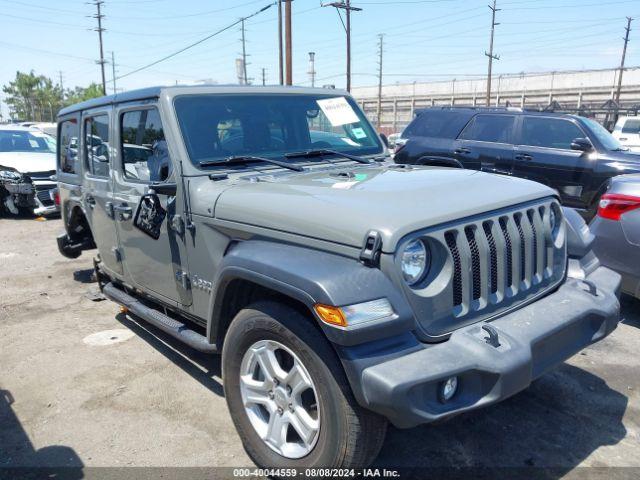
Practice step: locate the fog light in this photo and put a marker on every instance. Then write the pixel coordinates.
(448, 389)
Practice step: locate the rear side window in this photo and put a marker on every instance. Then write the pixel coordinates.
(489, 128)
(145, 156)
(437, 123)
(632, 125)
(549, 132)
(68, 146)
(96, 145)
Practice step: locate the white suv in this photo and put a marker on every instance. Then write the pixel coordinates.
(627, 132)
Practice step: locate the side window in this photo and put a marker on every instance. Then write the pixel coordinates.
(96, 145)
(68, 146)
(632, 125)
(489, 128)
(145, 156)
(549, 132)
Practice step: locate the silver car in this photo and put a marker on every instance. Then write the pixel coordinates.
(617, 231)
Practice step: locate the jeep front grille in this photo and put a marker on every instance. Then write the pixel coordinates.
(490, 263)
(520, 235)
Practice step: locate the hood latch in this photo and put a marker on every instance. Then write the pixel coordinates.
(370, 253)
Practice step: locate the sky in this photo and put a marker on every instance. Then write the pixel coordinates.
(423, 39)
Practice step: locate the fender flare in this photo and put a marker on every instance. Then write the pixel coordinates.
(310, 276)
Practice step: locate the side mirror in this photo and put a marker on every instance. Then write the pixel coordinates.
(581, 144)
(385, 140)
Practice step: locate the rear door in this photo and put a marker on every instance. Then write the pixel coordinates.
(157, 265)
(543, 153)
(486, 143)
(97, 191)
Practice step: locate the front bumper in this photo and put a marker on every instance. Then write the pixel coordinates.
(533, 339)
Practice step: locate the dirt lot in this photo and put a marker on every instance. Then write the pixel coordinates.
(136, 397)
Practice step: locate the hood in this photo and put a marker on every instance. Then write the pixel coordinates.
(27, 162)
(393, 201)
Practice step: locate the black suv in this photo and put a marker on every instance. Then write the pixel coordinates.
(572, 154)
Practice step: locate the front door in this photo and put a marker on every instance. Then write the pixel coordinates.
(543, 154)
(158, 265)
(98, 187)
(486, 144)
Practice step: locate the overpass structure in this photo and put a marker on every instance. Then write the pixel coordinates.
(586, 92)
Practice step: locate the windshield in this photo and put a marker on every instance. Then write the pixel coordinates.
(21, 141)
(216, 127)
(603, 135)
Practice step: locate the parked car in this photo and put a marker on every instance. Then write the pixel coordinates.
(574, 155)
(627, 132)
(342, 290)
(27, 162)
(50, 128)
(617, 231)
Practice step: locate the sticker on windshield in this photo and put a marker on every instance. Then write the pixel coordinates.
(338, 111)
(359, 133)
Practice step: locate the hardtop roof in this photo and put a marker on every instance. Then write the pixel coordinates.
(155, 92)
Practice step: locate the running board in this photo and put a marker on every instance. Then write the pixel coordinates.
(163, 322)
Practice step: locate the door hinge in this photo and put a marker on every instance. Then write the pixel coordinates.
(117, 254)
(183, 279)
(177, 224)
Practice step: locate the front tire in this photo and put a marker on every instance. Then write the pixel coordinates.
(289, 397)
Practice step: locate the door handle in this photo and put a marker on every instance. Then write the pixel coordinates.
(462, 151)
(524, 156)
(124, 212)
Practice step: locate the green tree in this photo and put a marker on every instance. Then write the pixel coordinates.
(80, 94)
(33, 97)
(36, 97)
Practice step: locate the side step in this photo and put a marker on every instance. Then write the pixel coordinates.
(157, 319)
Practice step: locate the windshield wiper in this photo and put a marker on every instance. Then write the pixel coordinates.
(322, 152)
(249, 158)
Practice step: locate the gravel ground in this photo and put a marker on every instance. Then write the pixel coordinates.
(73, 395)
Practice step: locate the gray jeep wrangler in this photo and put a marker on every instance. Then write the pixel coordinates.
(343, 291)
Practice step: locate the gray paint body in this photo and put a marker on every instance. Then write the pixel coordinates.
(617, 243)
(300, 234)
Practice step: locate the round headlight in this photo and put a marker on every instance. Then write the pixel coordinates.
(415, 261)
(555, 220)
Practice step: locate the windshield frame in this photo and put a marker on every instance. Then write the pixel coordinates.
(608, 141)
(376, 150)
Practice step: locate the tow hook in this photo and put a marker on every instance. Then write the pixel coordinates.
(492, 339)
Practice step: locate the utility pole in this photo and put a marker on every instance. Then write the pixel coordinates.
(100, 16)
(280, 63)
(491, 56)
(312, 68)
(288, 40)
(624, 54)
(61, 86)
(244, 55)
(264, 77)
(113, 71)
(346, 6)
(380, 50)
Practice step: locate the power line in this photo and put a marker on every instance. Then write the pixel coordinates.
(218, 32)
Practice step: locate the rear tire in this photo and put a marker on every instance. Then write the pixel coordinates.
(348, 436)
